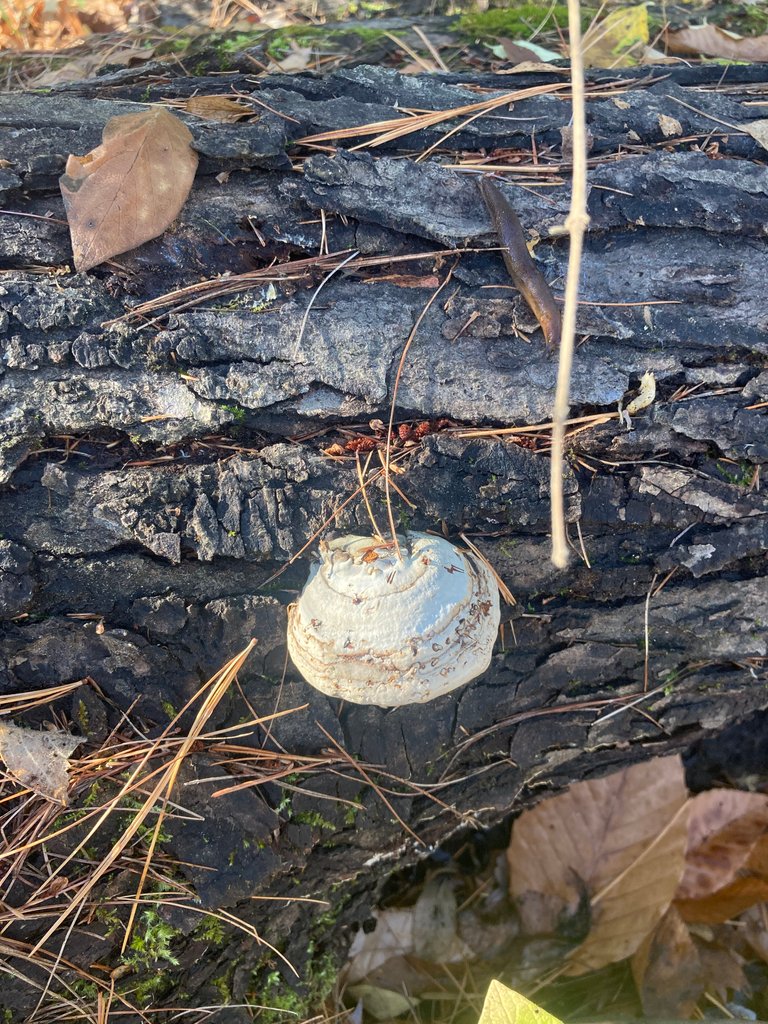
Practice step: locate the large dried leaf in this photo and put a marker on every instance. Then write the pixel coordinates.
(38, 760)
(716, 42)
(130, 188)
(618, 40)
(748, 887)
(505, 1006)
(723, 827)
(668, 971)
(622, 838)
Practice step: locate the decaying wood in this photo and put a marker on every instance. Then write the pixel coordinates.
(155, 476)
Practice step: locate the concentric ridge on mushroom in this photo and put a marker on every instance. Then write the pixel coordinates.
(375, 625)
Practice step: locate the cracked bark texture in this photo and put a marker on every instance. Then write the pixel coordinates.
(171, 555)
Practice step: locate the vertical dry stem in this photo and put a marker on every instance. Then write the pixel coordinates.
(576, 224)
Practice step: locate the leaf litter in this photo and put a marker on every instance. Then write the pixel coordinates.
(38, 760)
(129, 189)
(621, 840)
(627, 867)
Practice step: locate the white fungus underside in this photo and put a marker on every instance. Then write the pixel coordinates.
(391, 632)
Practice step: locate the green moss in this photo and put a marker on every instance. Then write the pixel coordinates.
(151, 942)
(83, 718)
(237, 412)
(179, 44)
(741, 474)
(109, 917)
(277, 995)
(314, 819)
(168, 708)
(630, 559)
(151, 988)
(749, 20)
(93, 797)
(351, 813)
(237, 43)
(224, 989)
(513, 22)
(280, 997)
(210, 930)
(146, 832)
(86, 990)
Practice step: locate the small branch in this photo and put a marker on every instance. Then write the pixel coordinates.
(576, 225)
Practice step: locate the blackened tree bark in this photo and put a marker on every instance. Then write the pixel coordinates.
(157, 472)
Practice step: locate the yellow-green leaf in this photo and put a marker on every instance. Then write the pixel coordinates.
(618, 40)
(505, 1006)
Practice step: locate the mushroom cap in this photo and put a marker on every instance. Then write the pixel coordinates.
(372, 628)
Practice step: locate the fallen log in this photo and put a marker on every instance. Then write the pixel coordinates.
(164, 456)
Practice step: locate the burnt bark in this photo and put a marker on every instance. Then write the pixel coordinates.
(156, 474)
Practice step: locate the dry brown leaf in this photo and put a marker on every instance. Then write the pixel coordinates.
(716, 42)
(39, 25)
(667, 970)
(38, 760)
(518, 53)
(670, 126)
(749, 886)
(408, 280)
(723, 827)
(130, 188)
(623, 838)
(217, 108)
(528, 66)
(723, 971)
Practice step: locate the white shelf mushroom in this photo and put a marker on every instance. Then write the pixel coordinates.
(373, 627)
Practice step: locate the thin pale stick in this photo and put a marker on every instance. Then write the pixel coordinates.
(361, 471)
(647, 634)
(392, 483)
(504, 590)
(317, 291)
(431, 47)
(576, 224)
